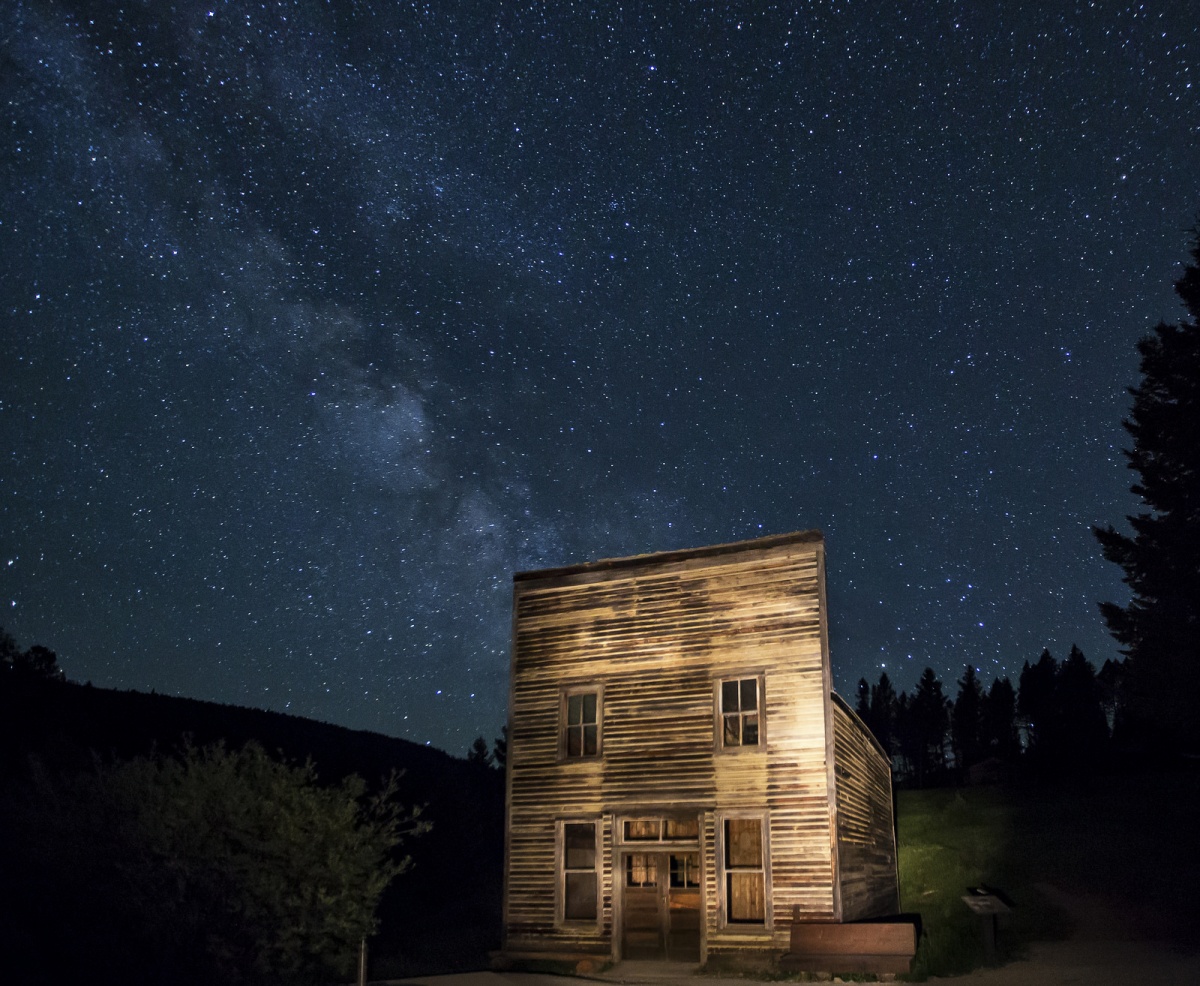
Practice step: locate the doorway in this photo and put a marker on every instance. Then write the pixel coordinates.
(661, 906)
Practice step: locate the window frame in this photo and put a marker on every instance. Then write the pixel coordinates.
(561, 871)
(564, 700)
(724, 871)
(719, 713)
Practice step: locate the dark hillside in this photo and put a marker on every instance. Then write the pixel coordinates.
(443, 913)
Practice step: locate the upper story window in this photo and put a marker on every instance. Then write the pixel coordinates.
(581, 714)
(740, 712)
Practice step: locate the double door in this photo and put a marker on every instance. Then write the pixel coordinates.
(661, 906)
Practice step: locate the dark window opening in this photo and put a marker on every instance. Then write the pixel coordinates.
(582, 727)
(739, 712)
(579, 871)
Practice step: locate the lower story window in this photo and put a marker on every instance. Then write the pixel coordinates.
(745, 875)
(578, 867)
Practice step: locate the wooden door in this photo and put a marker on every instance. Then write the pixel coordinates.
(661, 906)
(683, 907)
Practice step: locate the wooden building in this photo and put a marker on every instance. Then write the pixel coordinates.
(682, 781)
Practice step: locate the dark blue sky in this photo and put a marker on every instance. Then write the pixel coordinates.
(321, 319)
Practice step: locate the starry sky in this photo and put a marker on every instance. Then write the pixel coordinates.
(322, 318)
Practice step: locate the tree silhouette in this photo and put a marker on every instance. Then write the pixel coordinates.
(922, 722)
(1036, 704)
(1159, 629)
(36, 662)
(1110, 679)
(478, 754)
(883, 713)
(965, 719)
(863, 705)
(998, 721)
(1084, 734)
(500, 748)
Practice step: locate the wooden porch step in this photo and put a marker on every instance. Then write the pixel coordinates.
(865, 946)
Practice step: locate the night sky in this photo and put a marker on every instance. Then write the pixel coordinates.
(321, 319)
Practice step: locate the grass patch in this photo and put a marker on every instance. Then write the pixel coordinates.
(1125, 839)
(950, 840)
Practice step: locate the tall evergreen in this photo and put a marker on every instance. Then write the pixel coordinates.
(998, 721)
(1084, 728)
(883, 713)
(863, 705)
(965, 719)
(1159, 629)
(1036, 702)
(923, 724)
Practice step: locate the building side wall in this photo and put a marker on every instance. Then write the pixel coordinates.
(657, 638)
(865, 834)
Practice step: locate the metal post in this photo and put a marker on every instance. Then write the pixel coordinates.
(362, 963)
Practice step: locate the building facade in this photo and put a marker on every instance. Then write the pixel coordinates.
(682, 781)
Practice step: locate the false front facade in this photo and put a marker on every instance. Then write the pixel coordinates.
(682, 782)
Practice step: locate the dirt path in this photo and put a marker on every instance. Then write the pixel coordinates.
(1104, 950)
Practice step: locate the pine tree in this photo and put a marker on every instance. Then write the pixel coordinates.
(927, 718)
(1036, 704)
(1159, 629)
(965, 719)
(883, 713)
(998, 721)
(1084, 728)
(863, 705)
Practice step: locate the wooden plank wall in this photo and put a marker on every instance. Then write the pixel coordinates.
(865, 834)
(656, 634)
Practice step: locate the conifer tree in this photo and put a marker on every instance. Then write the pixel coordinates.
(998, 721)
(1159, 629)
(883, 713)
(965, 719)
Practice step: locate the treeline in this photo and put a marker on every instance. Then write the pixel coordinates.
(1059, 718)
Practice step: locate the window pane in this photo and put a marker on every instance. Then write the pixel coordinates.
(641, 870)
(750, 730)
(746, 898)
(579, 896)
(574, 738)
(743, 842)
(579, 846)
(642, 828)
(589, 741)
(589, 707)
(749, 694)
(729, 696)
(733, 735)
(574, 710)
(685, 871)
(683, 828)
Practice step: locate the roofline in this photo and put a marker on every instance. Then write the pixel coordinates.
(666, 557)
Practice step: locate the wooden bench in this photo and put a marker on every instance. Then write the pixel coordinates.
(879, 947)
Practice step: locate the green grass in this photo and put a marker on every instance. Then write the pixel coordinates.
(1127, 839)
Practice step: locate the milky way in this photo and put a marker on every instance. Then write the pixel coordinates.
(321, 319)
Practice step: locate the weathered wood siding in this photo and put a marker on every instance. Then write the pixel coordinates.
(657, 632)
(866, 837)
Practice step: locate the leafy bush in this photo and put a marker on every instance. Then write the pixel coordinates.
(219, 865)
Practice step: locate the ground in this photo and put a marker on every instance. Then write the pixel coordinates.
(1107, 947)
